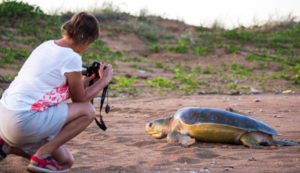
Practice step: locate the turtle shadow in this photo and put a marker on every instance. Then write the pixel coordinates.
(141, 144)
(115, 168)
(187, 160)
(198, 152)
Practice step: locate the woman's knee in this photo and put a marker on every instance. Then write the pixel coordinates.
(85, 110)
(64, 157)
(68, 162)
(90, 111)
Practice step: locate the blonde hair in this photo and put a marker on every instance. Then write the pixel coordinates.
(81, 28)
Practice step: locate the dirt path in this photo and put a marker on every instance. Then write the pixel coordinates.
(125, 147)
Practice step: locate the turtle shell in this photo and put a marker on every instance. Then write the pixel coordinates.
(199, 115)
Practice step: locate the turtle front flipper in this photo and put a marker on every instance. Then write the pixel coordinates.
(183, 139)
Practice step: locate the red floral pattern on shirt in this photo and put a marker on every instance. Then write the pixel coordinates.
(57, 95)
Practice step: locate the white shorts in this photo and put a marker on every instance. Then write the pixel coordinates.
(19, 128)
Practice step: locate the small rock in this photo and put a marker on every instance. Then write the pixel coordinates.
(287, 92)
(254, 91)
(224, 146)
(251, 159)
(142, 75)
(204, 170)
(213, 162)
(230, 109)
(141, 71)
(202, 92)
(285, 110)
(257, 100)
(177, 169)
(128, 75)
(193, 171)
(234, 93)
(260, 110)
(277, 116)
(227, 169)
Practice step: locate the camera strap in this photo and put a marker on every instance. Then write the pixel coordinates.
(101, 123)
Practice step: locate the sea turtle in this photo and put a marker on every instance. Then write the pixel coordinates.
(213, 125)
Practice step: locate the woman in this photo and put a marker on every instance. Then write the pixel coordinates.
(32, 109)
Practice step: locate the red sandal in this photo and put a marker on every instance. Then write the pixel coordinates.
(42, 163)
(2, 153)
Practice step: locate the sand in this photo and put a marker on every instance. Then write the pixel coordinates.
(125, 147)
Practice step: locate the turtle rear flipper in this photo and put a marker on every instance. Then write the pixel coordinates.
(184, 140)
(257, 140)
(285, 143)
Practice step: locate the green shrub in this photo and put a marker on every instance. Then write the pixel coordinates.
(201, 51)
(161, 83)
(19, 9)
(124, 84)
(231, 48)
(9, 55)
(232, 86)
(296, 79)
(237, 69)
(210, 70)
(241, 35)
(155, 48)
(181, 47)
(159, 64)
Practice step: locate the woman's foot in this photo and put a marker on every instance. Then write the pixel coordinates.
(45, 164)
(4, 149)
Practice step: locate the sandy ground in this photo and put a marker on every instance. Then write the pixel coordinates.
(125, 147)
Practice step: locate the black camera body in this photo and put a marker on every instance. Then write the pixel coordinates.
(93, 69)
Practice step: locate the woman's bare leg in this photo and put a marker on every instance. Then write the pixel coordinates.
(80, 115)
(63, 157)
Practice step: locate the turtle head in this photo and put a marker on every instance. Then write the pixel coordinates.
(159, 128)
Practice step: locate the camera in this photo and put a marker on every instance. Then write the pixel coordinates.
(89, 71)
(93, 69)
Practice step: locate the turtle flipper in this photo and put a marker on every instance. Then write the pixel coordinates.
(285, 143)
(250, 141)
(257, 140)
(184, 140)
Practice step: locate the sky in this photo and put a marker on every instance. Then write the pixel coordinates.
(228, 13)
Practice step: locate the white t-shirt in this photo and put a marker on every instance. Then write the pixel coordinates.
(41, 82)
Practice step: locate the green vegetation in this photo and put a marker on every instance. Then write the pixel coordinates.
(162, 84)
(187, 59)
(187, 78)
(19, 9)
(123, 84)
(9, 55)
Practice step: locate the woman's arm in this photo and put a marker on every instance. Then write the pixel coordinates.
(80, 93)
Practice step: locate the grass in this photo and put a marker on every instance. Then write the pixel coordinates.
(19, 9)
(241, 70)
(272, 50)
(10, 55)
(125, 85)
(162, 84)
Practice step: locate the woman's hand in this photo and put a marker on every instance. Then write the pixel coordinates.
(105, 74)
(86, 80)
(80, 93)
